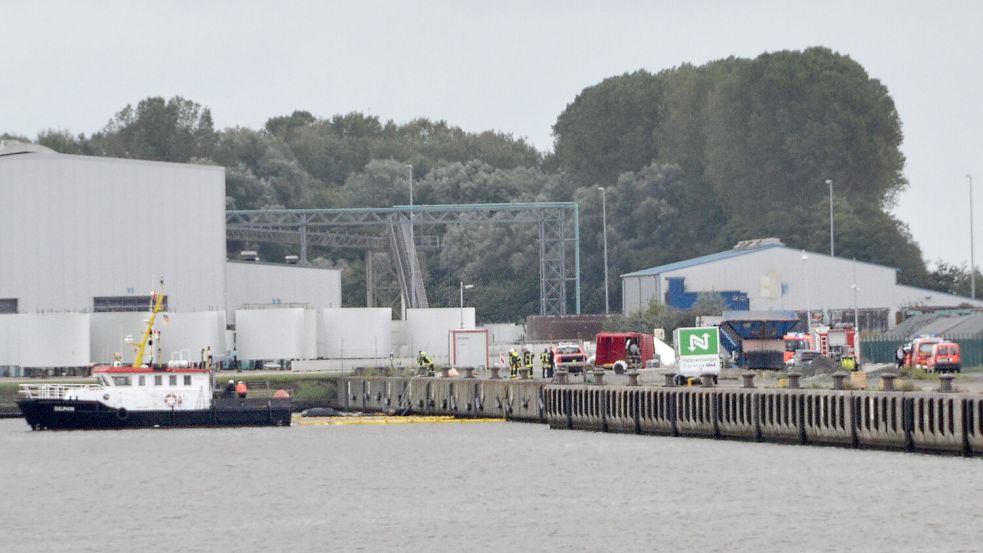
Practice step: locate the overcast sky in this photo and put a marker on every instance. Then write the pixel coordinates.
(508, 66)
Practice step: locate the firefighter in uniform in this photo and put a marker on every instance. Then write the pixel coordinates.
(527, 361)
(423, 361)
(513, 363)
(634, 356)
(546, 360)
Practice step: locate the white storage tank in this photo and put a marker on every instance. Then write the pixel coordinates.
(427, 329)
(182, 334)
(276, 333)
(355, 333)
(45, 340)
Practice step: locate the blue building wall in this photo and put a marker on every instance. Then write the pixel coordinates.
(678, 298)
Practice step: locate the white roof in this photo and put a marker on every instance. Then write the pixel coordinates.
(13, 147)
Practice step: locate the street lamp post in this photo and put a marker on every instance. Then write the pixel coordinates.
(463, 288)
(856, 317)
(972, 259)
(831, 248)
(412, 243)
(604, 232)
(805, 277)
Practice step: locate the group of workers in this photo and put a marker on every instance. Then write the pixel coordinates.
(232, 389)
(547, 364)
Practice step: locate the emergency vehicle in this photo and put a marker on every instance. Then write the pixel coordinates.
(795, 341)
(838, 343)
(921, 350)
(944, 357)
(612, 350)
(569, 356)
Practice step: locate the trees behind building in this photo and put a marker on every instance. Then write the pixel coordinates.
(693, 159)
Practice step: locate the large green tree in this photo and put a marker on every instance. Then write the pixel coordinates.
(165, 130)
(751, 143)
(609, 129)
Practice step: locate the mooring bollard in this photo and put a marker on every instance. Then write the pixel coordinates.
(945, 383)
(445, 372)
(525, 373)
(793, 380)
(887, 382)
(421, 371)
(562, 377)
(838, 379)
(494, 373)
(468, 372)
(670, 379)
(706, 380)
(748, 377)
(633, 378)
(599, 377)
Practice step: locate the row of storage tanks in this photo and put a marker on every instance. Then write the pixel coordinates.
(79, 339)
(910, 421)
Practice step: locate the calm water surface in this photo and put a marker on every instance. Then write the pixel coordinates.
(470, 487)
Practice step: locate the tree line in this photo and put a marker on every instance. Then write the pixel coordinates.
(693, 159)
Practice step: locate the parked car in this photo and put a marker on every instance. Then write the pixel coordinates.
(944, 357)
(569, 356)
(803, 358)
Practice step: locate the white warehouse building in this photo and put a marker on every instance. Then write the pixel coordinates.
(767, 275)
(87, 234)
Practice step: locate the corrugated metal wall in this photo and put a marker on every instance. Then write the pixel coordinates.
(565, 327)
(76, 227)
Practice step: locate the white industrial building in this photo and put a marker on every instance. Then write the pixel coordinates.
(84, 240)
(87, 234)
(251, 283)
(768, 275)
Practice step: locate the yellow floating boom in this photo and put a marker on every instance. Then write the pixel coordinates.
(342, 421)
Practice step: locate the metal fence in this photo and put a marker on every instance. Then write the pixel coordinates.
(882, 350)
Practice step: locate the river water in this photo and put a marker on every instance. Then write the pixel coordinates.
(470, 487)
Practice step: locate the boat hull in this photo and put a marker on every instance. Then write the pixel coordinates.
(56, 414)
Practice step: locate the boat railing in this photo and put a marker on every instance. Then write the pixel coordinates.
(52, 391)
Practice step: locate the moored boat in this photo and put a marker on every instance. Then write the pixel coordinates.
(144, 396)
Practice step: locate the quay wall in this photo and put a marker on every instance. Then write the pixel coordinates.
(932, 422)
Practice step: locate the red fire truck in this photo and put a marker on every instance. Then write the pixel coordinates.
(838, 343)
(794, 341)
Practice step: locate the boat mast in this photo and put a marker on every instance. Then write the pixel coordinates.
(157, 301)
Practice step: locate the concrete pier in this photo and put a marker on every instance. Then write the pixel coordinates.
(940, 422)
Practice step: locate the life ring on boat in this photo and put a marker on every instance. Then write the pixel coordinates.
(170, 400)
(122, 413)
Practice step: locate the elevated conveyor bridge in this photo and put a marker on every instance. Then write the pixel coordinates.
(391, 232)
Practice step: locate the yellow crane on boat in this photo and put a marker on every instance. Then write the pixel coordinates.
(157, 304)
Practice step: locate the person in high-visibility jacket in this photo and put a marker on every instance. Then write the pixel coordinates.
(242, 389)
(424, 361)
(514, 363)
(546, 360)
(527, 360)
